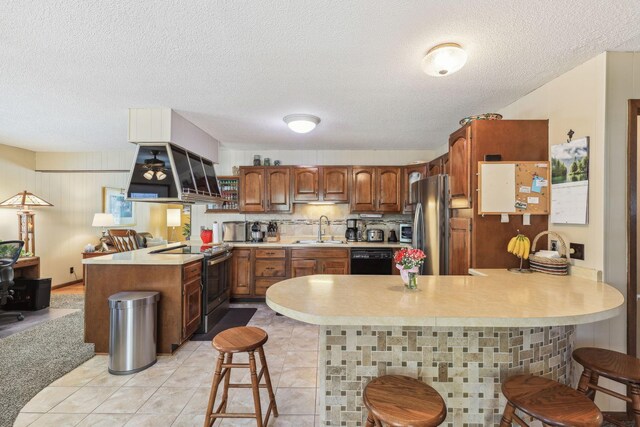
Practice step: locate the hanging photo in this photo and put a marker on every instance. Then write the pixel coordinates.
(113, 202)
(570, 182)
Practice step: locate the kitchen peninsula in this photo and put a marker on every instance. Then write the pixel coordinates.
(464, 335)
(175, 276)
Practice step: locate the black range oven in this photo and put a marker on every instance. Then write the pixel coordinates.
(215, 280)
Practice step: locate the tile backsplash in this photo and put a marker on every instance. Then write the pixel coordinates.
(303, 221)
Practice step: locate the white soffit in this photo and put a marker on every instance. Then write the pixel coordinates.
(70, 69)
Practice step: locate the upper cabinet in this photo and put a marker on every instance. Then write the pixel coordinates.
(376, 189)
(252, 187)
(407, 172)
(460, 168)
(306, 184)
(265, 189)
(318, 183)
(335, 184)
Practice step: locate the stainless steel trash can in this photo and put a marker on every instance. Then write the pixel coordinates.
(132, 331)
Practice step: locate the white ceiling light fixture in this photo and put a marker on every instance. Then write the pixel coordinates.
(444, 59)
(301, 123)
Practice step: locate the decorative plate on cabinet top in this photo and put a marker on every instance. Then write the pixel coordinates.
(485, 116)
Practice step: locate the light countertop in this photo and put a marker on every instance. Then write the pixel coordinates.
(290, 244)
(143, 257)
(492, 298)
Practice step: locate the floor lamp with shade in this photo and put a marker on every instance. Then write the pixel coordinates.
(103, 220)
(173, 220)
(26, 222)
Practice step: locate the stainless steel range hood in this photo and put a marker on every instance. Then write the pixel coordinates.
(166, 173)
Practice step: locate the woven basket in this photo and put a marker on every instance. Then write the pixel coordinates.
(557, 266)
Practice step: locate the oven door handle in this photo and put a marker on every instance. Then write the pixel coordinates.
(219, 260)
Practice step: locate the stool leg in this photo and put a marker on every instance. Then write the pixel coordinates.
(583, 384)
(255, 388)
(208, 421)
(635, 403)
(225, 390)
(507, 416)
(370, 421)
(267, 379)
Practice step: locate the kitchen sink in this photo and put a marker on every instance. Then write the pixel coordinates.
(314, 242)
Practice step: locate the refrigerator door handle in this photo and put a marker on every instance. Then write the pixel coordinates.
(418, 222)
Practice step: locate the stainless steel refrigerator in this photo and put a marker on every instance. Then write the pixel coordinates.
(430, 199)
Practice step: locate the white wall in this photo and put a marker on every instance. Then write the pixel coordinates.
(575, 100)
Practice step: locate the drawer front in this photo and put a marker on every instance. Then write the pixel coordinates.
(320, 253)
(270, 268)
(263, 284)
(270, 253)
(192, 271)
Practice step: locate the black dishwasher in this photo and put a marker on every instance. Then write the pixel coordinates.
(372, 261)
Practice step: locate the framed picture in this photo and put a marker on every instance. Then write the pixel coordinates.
(113, 202)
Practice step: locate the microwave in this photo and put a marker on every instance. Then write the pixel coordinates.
(406, 233)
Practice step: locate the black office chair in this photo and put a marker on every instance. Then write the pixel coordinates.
(9, 254)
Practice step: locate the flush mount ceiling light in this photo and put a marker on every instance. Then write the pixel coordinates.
(301, 123)
(444, 59)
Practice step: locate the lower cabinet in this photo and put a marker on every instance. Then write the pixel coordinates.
(241, 272)
(191, 298)
(305, 262)
(254, 270)
(459, 246)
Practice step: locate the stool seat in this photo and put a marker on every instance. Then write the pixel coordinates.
(609, 363)
(551, 402)
(239, 339)
(403, 401)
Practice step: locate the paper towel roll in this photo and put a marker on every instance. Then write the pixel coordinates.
(216, 232)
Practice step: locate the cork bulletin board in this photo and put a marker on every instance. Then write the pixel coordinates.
(515, 188)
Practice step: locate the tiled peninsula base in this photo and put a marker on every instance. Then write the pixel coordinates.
(466, 365)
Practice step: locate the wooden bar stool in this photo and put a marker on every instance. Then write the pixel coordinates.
(403, 401)
(238, 340)
(548, 401)
(616, 366)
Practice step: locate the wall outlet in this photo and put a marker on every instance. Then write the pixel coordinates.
(576, 250)
(72, 270)
(554, 245)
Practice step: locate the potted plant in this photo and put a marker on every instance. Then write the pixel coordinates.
(186, 231)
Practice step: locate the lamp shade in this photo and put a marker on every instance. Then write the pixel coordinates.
(24, 200)
(103, 220)
(173, 218)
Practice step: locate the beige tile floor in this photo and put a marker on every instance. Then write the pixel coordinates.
(174, 392)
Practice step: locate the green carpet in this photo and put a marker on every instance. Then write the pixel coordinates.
(31, 360)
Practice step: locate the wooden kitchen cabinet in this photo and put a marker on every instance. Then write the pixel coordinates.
(376, 189)
(512, 141)
(264, 189)
(306, 184)
(308, 261)
(421, 169)
(252, 190)
(335, 184)
(459, 246)
(191, 298)
(460, 168)
(271, 266)
(278, 194)
(241, 270)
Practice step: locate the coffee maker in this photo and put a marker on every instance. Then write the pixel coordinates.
(352, 230)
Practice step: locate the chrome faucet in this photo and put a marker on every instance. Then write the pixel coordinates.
(320, 226)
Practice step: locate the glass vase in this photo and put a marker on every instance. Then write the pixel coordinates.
(412, 281)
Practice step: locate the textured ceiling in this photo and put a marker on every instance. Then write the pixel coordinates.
(70, 69)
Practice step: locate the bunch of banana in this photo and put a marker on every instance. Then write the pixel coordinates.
(519, 246)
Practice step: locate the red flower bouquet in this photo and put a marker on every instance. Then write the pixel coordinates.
(408, 261)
